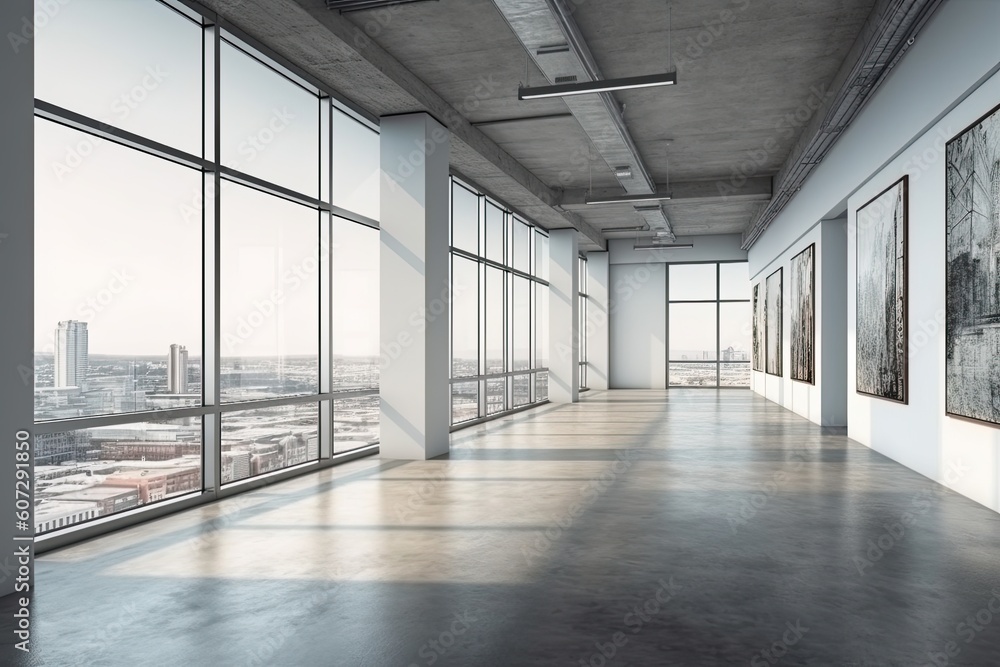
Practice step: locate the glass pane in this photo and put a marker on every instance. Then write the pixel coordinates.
(263, 440)
(692, 282)
(270, 293)
(734, 281)
(522, 389)
(692, 331)
(464, 401)
(734, 375)
(356, 166)
(494, 233)
(496, 395)
(136, 65)
(355, 422)
(117, 281)
(269, 125)
(735, 330)
(465, 317)
(464, 219)
(521, 325)
(541, 255)
(494, 321)
(521, 246)
(542, 386)
(582, 329)
(692, 375)
(355, 306)
(541, 326)
(94, 472)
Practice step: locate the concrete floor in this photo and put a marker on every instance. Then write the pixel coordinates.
(721, 529)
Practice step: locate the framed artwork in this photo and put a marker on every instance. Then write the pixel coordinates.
(772, 335)
(758, 328)
(972, 272)
(882, 294)
(802, 301)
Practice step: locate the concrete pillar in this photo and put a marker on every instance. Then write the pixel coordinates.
(16, 270)
(598, 318)
(831, 322)
(414, 292)
(564, 313)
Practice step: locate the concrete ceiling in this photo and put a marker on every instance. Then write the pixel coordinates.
(743, 66)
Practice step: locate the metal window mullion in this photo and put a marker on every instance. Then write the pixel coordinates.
(212, 352)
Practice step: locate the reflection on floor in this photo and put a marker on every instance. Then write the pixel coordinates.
(690, 527)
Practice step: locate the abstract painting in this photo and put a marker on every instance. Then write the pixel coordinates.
(972, 272)
(881, 294)
(772, 336)
(801, 299)
(758, 329)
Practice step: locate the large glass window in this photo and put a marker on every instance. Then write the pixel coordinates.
(709, 325)
(499, 309)
(270, 291)
(198, 317)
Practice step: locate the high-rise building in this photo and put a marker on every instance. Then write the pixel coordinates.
(72, 359)
(177, 370)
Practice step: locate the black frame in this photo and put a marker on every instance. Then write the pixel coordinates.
(811, 333)
(905, 182)
(767, 323)
(947, 286)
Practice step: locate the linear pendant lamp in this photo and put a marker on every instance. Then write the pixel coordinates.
(664, 246)
(603, 86)
(628, 199)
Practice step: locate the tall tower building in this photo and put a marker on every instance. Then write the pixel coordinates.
(177, 370)
(72, 359)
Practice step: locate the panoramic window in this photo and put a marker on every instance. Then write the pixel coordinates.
(499, 309)
(584, 277)
(709, 325)
(135, 401)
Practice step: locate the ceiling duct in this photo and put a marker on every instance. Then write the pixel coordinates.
(888, 33)
(543, 27)
(344, 6)
(656, 219)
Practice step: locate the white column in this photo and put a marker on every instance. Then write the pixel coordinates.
(16, 265)
(564, 313)
(598, 316)
(414, 287)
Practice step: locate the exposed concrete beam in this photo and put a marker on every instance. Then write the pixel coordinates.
(339, 53)
(757, 188)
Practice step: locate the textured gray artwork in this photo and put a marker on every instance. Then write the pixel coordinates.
(802, 301)
(758, 328)
(972, 274)
(772, 305)
(881, 294)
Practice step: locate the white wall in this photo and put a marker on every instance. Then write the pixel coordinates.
(638, 304)
(598, 316)
(823, 402)
(638, 327)
(944, 83)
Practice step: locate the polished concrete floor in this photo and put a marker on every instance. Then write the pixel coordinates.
(693, 527)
